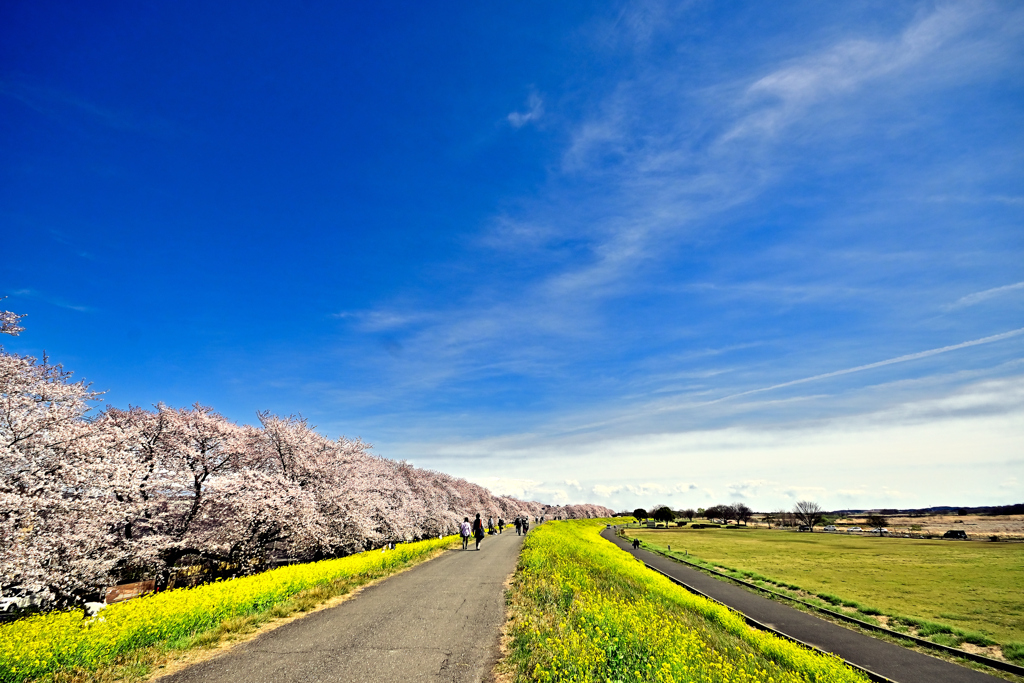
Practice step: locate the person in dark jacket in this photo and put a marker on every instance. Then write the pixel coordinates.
(478, 530)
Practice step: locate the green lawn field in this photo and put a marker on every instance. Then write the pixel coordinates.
(977, 586)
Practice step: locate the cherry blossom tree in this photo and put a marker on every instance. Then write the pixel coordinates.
(204, 488)
(9, 322)
(88, 501)
(48, 495)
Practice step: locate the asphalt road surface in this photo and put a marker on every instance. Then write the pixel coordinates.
(439, 621)
(881, 657)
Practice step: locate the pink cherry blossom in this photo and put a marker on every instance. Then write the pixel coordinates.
(88, 501)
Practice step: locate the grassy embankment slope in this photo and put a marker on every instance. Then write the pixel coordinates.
(129, 639)
(974, 586)
(580, 609)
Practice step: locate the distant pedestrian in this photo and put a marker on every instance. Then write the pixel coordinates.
(478, 530)
(501, 524)
(526, 525)
(519, 526)
(465, 530)
(636, 543)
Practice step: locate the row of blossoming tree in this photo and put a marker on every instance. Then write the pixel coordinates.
(87, 500)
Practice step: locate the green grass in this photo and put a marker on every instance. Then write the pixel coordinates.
(582, 610)
(1014, 652)
(979, 583)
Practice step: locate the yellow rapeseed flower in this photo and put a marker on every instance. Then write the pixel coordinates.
(42, 644)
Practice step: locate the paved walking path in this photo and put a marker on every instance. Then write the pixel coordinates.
(881, 657)
(439, 621)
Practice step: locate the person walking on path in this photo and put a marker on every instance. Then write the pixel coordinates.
(519, 526)
(501, 524)
(526, 525)
(478, 530)
(465, 530)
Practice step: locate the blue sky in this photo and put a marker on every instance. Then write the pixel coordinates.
(622, 253)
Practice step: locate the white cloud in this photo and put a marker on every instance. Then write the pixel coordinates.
(933, 451)
(805, 492)
(786, 94)
(383, 320)
(61, 104)
(534, 110)
(658, 178)
(605, 491)
(655, 179)
(520, 488)
(978, 297)
(52, 300)
(882, 363)
(748, 488)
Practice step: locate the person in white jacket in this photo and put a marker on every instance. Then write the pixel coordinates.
(465, 530)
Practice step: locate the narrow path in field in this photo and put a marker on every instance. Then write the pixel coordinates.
(439, 621)
(881, 657)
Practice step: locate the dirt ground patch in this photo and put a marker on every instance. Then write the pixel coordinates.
(1005, 527)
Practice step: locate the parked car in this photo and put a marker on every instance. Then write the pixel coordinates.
(804, 527)
(956, 533)
(854, 528)
(880, 531)
(830, 527)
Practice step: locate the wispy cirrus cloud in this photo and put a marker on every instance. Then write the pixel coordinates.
(626, 268)
(879, 364)
(785, 95)
(384, 320)
(60, 302)
(873, 459)
(658, 180)
(534, 111)
(663, 174)
(62, 105)
(984, 295)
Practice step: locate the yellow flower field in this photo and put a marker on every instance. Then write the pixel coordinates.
(582, 611)
(39, 645)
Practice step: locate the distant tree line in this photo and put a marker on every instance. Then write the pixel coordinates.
(804, 512)
(737, 512)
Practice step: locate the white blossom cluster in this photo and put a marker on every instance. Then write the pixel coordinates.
(9, 323)
(85, 501)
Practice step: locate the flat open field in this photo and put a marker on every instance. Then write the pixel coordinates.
(971, 585)
(979, 527)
